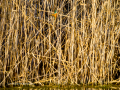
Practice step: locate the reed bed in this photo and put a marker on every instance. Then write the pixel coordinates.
(80, 44)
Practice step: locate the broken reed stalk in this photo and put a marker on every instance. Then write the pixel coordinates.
(79, 46)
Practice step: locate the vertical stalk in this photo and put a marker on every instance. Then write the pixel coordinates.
(25, 30)
(93, 36)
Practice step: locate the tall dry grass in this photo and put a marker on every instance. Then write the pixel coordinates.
(80, 46)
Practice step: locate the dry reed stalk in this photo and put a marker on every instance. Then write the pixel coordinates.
(79, 46)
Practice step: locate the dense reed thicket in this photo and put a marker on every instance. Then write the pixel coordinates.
(79, 44)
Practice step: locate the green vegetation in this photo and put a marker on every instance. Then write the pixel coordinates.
(64, 88)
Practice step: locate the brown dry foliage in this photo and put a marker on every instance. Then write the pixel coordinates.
(80, 46)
